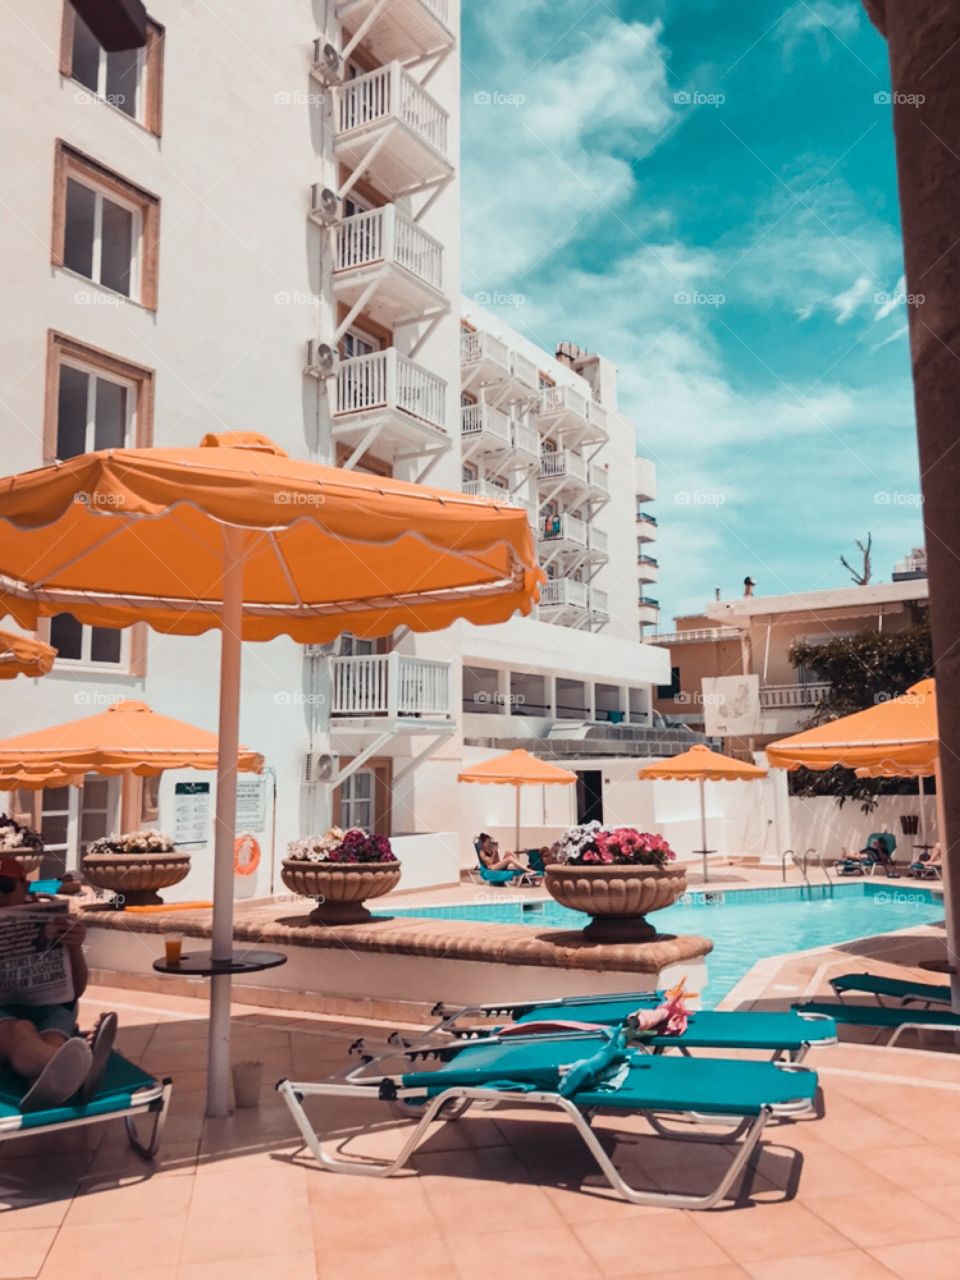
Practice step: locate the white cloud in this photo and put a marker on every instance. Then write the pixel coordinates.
(848, 303)
(827, 22)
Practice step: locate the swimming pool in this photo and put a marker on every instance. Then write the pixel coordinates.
(746, 925)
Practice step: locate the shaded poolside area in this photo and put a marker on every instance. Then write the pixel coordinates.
(870, 1190)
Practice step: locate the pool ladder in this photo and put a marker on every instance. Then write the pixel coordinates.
(801, 864)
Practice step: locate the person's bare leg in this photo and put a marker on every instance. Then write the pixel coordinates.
(25, 1049)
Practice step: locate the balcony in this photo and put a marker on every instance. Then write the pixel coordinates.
(596, 546)
(649, 610)
(389, 686)
(399, 29)
(561, 470)
(695, 635)
(563, 599)
(387, 398)
(598, 431)
(646, 527)
(488, 362)
(485, 429)
(561, 533)
(525, 373)
(599, 603)
(776, 696)
(598, 481)
(648, 569)
(563, 411)
(645, 473)
(390, 103)
(526, 442)
(388, 256)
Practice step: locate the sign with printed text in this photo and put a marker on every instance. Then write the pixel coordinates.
(251, 803)
(731, 706)
(191, 813)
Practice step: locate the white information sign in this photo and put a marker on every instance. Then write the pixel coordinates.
(251, 803)
(191, 824)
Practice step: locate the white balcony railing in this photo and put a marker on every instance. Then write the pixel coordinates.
(476, 346)
(389, 380)
(555, 400)
(596, 539)
(526, 439)
(391, 91)
(440, 9)
(563, 465)
(559, 592)
(524, 370)
(484, 420)
(391, 685)
(695, 635)
(599, 477)
(386, 235)
(564, 528)
(793, 695)
(597, 415)
(599, 601)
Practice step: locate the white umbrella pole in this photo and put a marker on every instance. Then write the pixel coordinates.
(218, 1069)
(703, 829)
(516, 838)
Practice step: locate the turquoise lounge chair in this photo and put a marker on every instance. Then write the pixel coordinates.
(883, 1017)
(894, 988)
(789, 1034)
(579, 1075)
(125, 1093)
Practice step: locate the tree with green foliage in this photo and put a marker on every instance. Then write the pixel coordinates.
(861, 670)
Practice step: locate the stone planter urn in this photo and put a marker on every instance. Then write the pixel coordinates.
(136, 878)
(340, 888)
(617, 897)
(29, 861)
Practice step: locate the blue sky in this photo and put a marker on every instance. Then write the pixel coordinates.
(705, 192)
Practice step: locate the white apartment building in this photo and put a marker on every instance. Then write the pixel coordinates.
(252, 224)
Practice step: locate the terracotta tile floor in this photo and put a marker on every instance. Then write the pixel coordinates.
(871, 1190)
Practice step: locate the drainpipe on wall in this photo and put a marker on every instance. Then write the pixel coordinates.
(923, 37)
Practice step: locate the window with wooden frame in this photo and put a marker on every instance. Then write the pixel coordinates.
(94, 400)
(104, 227)
(131, 80)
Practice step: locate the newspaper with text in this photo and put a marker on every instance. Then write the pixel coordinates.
(33, 970)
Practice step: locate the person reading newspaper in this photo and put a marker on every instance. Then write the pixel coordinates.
(43, 973)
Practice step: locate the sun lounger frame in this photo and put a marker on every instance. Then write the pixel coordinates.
(153, 1101)
(353, 1084)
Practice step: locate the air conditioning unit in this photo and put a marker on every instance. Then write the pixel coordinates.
(321, 650)
(327, 62)
(324, 205)
(322, 359)
(320, 766)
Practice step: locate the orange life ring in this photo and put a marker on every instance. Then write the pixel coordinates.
(246, 855)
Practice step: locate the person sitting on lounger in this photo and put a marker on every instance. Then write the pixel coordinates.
(41, 1042)
(929, 865)
(488, 851)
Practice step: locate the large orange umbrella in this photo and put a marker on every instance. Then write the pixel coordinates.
(895, 738)
(236, 535)
(24, 656)
(702, 765)
(127, 738)
(518, 769)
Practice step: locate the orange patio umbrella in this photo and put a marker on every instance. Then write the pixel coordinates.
(702, 765)
(24, 656)
(518, 769)
(127, 738)
(235, 535)
(895, 738)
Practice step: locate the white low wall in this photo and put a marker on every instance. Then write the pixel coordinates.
(819, 823)
(429, 859)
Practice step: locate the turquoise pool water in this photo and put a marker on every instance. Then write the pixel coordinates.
(746, 925)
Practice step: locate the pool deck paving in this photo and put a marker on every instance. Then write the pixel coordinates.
(871, 1189)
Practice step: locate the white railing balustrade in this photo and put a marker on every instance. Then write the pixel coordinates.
(484, 419)
(597, 539)
(488, 490)
(555, 400)
(439, 8)
(793, 695)
(564, 528)
(391, 685)
(387, 379)
(526, 439)
(599, 477)
(524, 370)
(597, 415)
(563, 591)
(391, 91)
(696, 635)
(476, 346)
(599, 601)
(385, 235)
